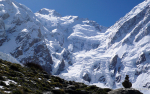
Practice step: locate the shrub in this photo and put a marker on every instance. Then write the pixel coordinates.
(59, 91)
(15, 67)
(1, 60)
(92, 87)
(17, 92)
(34, 65)
(2, 83)
(26, 89)
(38, 92)
(1, 78)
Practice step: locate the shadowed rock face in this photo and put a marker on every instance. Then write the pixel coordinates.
(86, 77)
(2, 29)
(4, 16)
(113, 62)
(141, 59)
(2, 32)
(61, 67)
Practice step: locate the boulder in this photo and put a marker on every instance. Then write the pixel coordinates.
(71, 87)
(127, 83)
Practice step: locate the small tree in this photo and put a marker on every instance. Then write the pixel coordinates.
(34, 65)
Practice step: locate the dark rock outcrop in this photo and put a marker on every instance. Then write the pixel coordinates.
(86, 77)
(2, 29)
(125, 91)
(141, 59)
(61, 67)
(2, 32)
(102, 79)
(118, 79)
(113, 62)
(4, 16)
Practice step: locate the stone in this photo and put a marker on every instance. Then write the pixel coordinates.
(71, 87)
(49, 92)
(127, 83)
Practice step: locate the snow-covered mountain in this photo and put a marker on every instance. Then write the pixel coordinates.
(45, 37)
(80, 49)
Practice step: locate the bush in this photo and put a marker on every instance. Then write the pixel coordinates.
(26, 89)
(15, 67)
(59, 91)
(2, 78)
(34, 65)
(2, 83)
(17, 92)
(1, 60)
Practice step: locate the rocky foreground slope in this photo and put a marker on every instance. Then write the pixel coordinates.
(17, 79)
(32, 79)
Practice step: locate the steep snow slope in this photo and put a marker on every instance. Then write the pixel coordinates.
(72, 33)
(9, 58)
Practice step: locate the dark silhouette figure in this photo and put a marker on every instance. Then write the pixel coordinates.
(127, 83)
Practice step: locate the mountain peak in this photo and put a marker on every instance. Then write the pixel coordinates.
(50, 12)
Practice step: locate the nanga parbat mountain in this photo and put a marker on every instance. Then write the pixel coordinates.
(77, 48)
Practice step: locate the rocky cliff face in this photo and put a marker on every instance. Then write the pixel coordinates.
(2, 32)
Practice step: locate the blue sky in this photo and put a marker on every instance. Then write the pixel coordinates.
(104, 12)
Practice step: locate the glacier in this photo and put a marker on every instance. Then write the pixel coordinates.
(77, 48)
